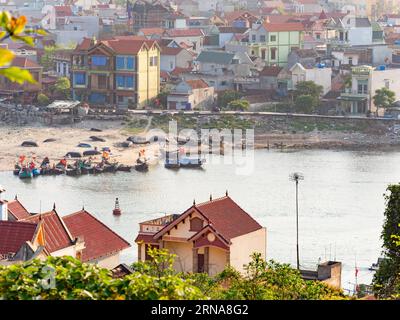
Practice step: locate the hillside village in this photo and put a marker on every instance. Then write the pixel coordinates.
(183, 55)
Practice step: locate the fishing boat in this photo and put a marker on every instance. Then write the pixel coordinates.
(17, 169)
(375, 266)
(110, 167)
(124, 168)
(86, 169)
(98, 169)
(35, 172)
(25, 173)
(169, 164)
(73, 172)
(186, 162)
(142, 166)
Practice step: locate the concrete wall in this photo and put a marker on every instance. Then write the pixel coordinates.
(380, 79)
(109, 262)
(183, 250)
(217, 260)
(242, 247)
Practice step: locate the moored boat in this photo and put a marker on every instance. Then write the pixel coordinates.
(25, 173)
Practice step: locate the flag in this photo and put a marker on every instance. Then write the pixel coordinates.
(356, 271)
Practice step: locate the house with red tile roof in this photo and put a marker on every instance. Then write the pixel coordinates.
(24, 236)
(206, 237)
(272, 42)
(102, 245)
(194, 37)
(26, 92)
(191, 94)
(172, 57)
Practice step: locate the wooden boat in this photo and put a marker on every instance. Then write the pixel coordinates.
(46, 171)
(86, 169)
(124, 168)
(142, 166)
(35, 172)
(25, 173)
(98, 169)
(110, 167)
(73, 172)
(16, 172)
(171, 164)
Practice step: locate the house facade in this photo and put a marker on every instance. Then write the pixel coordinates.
(190, 94)
(273, 42)
(123, 72)
(206, 237)
(365, 80)
(320, 75)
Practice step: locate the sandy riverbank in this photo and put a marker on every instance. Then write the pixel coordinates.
(68, 137)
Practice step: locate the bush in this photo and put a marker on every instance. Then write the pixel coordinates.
(43, 100)
(224, 98)
(238, 105)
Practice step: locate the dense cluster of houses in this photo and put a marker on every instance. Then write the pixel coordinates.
(124, 55)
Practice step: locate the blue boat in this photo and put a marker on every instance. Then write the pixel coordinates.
(186, 162)
(36, 172)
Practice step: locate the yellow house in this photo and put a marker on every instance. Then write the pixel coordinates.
(123, 72)
(206, 237)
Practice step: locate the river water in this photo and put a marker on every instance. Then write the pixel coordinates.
(341, 201)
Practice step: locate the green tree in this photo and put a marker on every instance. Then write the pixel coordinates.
(383, 98)
(62, 88)
(238, 105)
(43, 100)
(305, 103)
(47, 59)
(227, 96)
(308, 88)
(386, 281)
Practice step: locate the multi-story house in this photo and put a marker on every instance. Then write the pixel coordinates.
(123, 71)
(365, 80)
(272, 42)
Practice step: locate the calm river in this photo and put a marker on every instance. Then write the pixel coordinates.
(341, 201)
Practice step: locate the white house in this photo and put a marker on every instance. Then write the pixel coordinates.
(172, 58)
(320, 75)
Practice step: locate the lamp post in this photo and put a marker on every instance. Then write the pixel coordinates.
(297, 177)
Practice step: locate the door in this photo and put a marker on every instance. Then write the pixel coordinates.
(200, 263)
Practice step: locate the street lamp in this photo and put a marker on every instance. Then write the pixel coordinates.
(297, 177)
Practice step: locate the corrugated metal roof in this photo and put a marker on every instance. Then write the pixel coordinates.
(217, 57)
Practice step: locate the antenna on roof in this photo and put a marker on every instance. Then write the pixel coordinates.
(226, 192)
(40, 207)
(54, 206)
(16, 197)
(83, 206)
(210, 197)
(194, 202)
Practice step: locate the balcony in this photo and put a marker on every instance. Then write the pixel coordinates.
(79, 67)
(106, 68)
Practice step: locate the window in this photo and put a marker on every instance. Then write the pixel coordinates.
(351, 61)
(125, 82)
(125, 63)
(102, 81)
(96, 97)
(99, 60)
(153, 61)
(318, 36)
(273, 54)
(262, 38)
(79, 79)
(253, 38)
(196, 224)
(272, 38)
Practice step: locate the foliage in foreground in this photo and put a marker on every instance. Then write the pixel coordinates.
(386, 282)
(156, 279)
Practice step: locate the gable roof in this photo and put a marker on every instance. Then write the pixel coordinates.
(23, 62)
(151, 31)
(228, 218)
(17, 210)
(289, 26)
(218, 57)
(184, 33)
(197, 83)
(271, 71)
(99, 240)
(224, 215)
(13, 234)
(56, 234)
(170, 51)
(362, 23)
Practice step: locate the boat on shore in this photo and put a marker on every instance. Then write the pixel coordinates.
(25, 173)
(187, 162)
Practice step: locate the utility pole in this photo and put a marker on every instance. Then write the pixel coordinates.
(296, 177)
